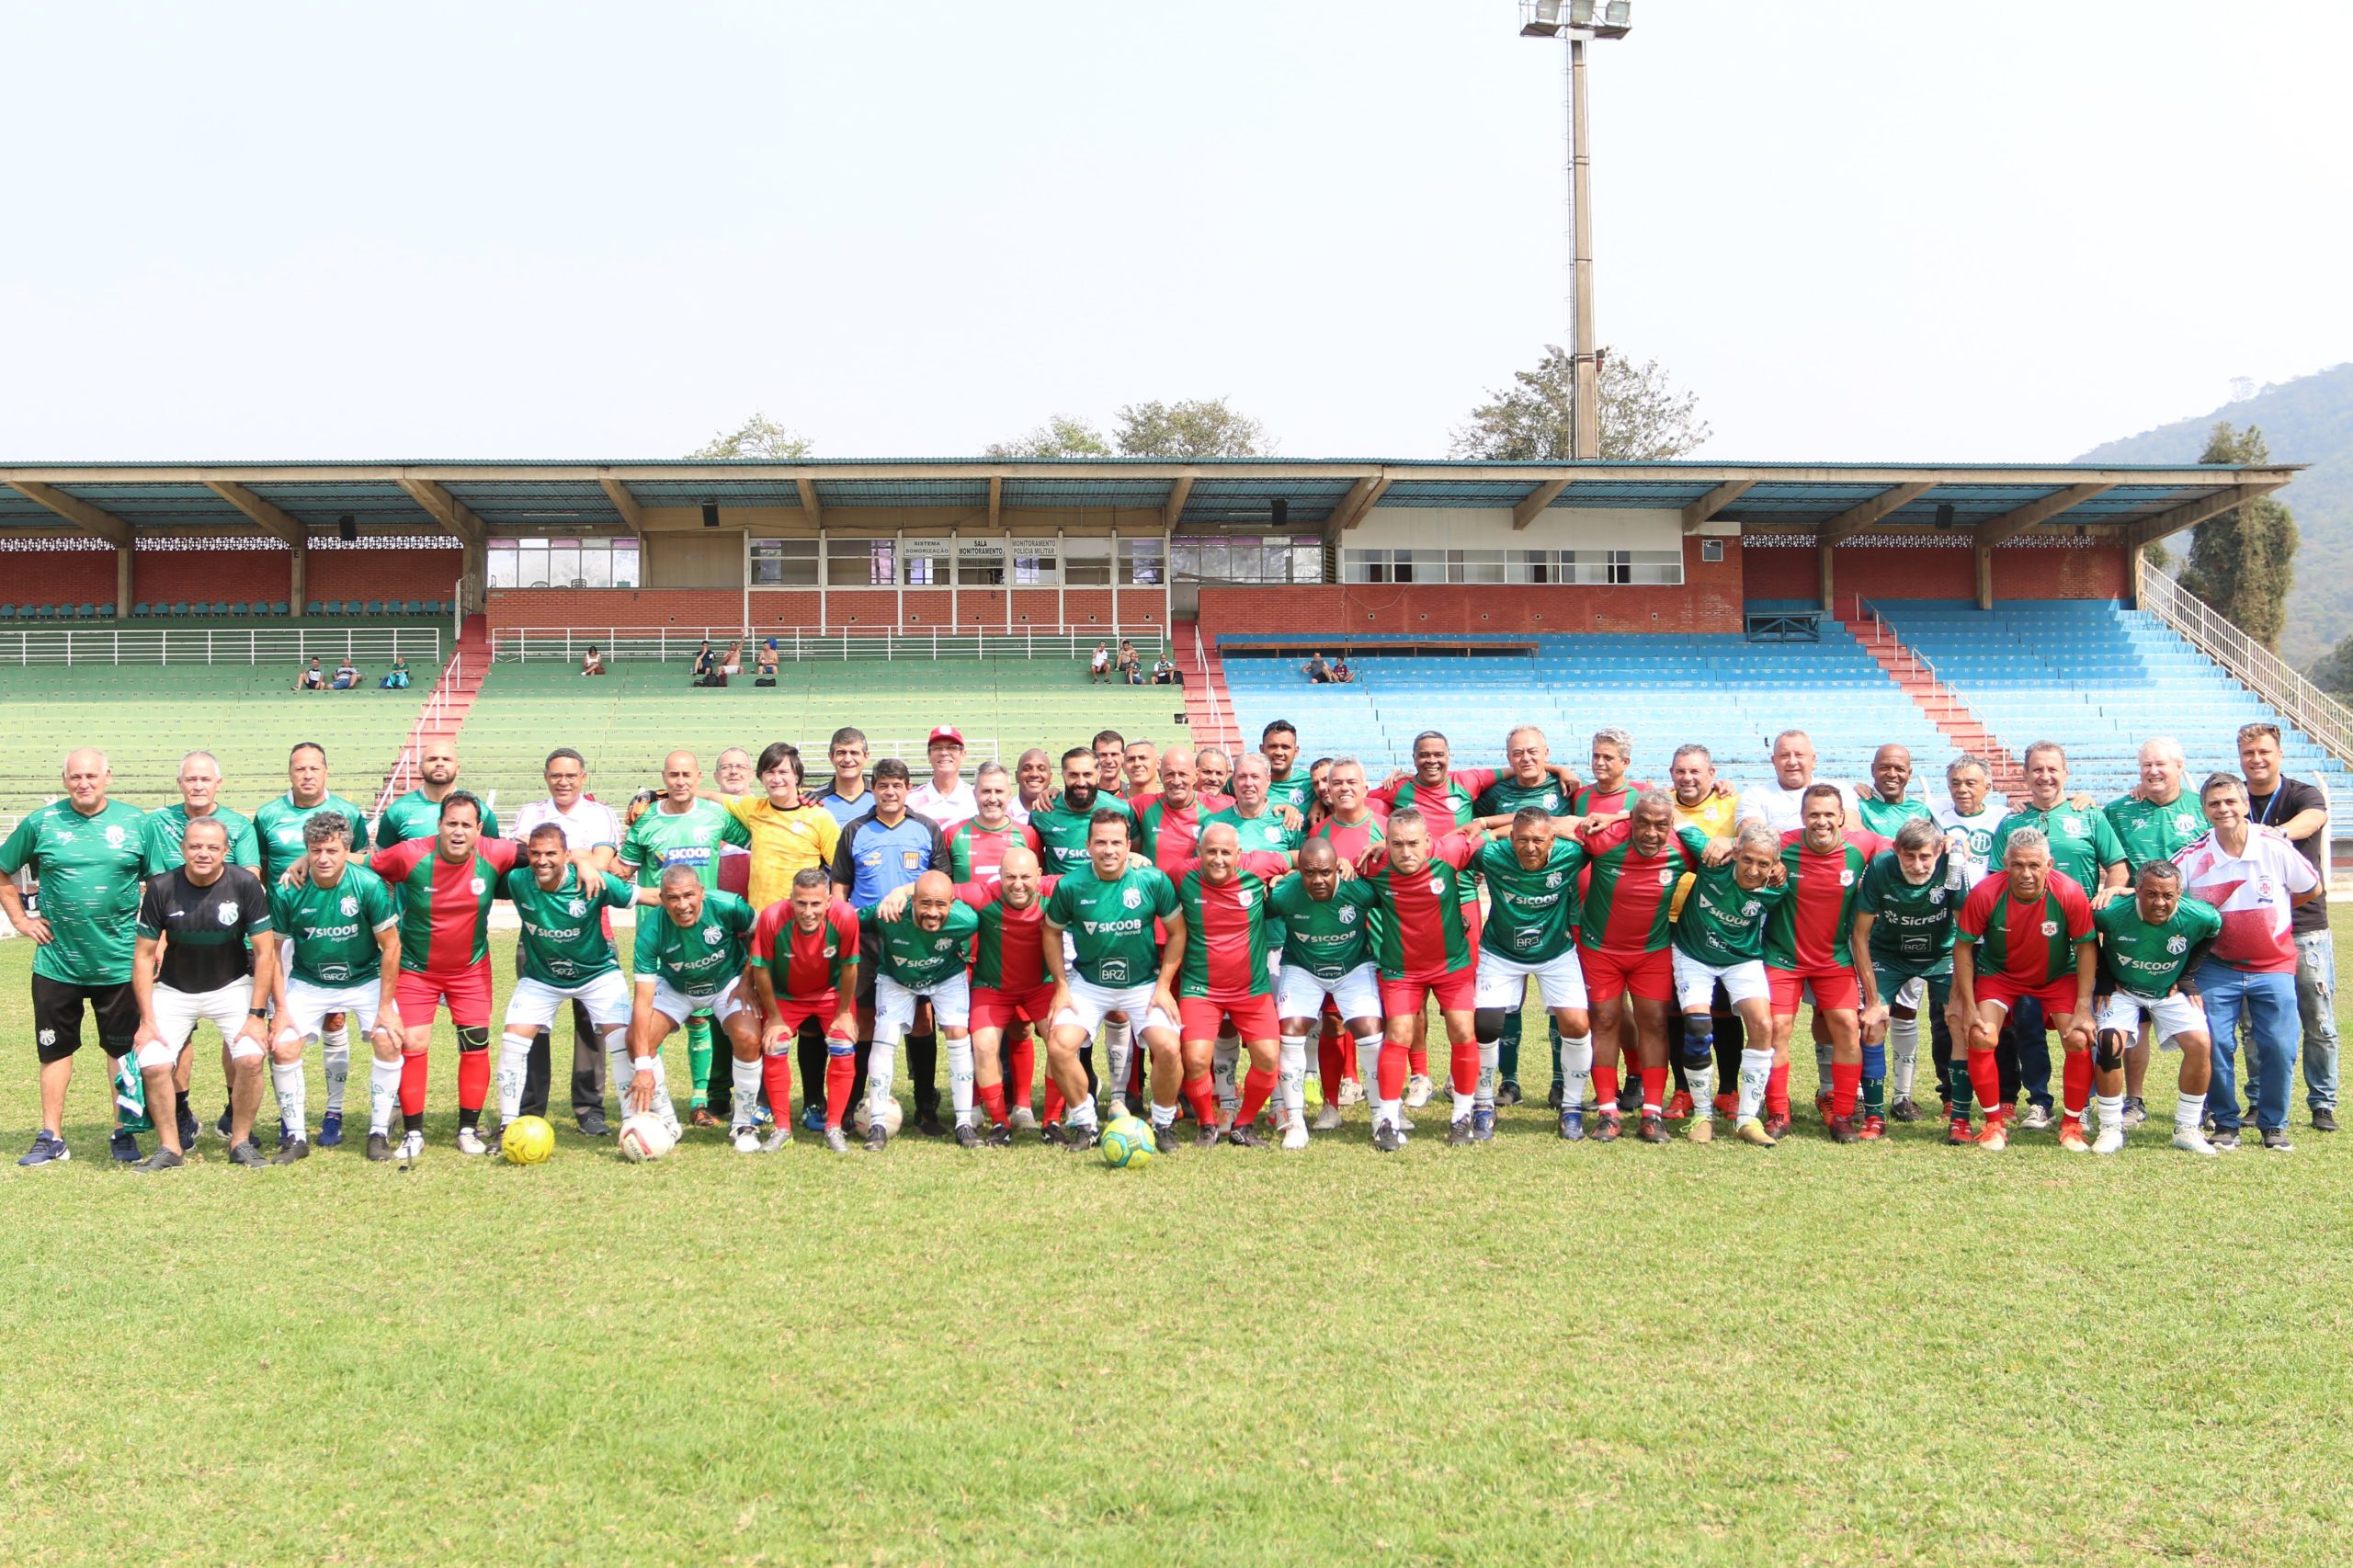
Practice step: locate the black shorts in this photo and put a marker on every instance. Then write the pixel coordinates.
(57, 1016)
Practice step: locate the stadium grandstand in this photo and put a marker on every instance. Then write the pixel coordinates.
(1951, 608)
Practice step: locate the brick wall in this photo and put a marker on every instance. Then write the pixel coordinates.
(64, 577)
(381, 574)
(855, 610)
(211, 576)
(2020, 572)
(590, 608)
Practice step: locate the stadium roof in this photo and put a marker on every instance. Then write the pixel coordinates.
(1833, 501)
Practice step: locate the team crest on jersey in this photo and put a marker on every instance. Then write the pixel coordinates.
(1246, 898)
(114, 836)
(1552, 880)
(2177, 944)
(712, 937)
(1846, 877)
(350, 905)
(2051, 927)
(1347, 914)
(1666, 875)
(1936, 895)
(227, 914)
(1131, 897)
(2075, 827)
(1438, 883)
(940, 944)
(577, 907)
(1751, 910)
(908, 858)
(478, 885)
(2184, 823)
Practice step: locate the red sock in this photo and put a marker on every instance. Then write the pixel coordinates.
(473, 1079)
(1021, 1070)
(1331, 1064)
(1777, 1090)
(2077, 1082)
(840, 1072)
(1201, 1095)
(1464, 1060)
(412, 1083)
(1604, 1088)
(1336, 1040)
(1053, 1102)
(776, 1072)
(1985, 1078)
(1392, 1070)
(1654, 1087)
(1419, 1056)
(1256, 1084)
(1845, 1082)
(993, 1102)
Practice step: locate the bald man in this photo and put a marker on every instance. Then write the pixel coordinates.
(922, 951)
(683, 830)
(417, 814)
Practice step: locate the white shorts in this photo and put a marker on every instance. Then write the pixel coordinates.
(2172, 1015)
(535, 1003)
(1503, 982)
(1300, 994)
(680, 1005)
(952, 1004)
(1695, 983)
(308, 1004)
(1090, 1003)
(179, 1012)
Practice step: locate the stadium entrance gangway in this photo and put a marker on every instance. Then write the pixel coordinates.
(520, 644)
(192, 646)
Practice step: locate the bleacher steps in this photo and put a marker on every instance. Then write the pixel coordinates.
(1940, 703)
(1209, 706)
(459, 684)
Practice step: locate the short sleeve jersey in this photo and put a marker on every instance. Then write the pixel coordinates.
(976, 854)
(1811, 930)
(1418, 929)
(1225, 937)
(785, 842)
(1264, 833)
(1969, 839)
(1626, 895)
(2147, 831)
(1328, 938)
(206, 930)
(1721, 923)
(89, 869)
(1062, 832)
(697, 960)
(805, 966)
(2147, 960)
(919, 959)
(445, 904)
(1110, 922)
(1298, 791)
(564, 940)
(1531, 916)
(1508, 795)
(1453, 801)
(1351, 839)
(2255, 892)
(659, 840)
(875, 859)
(1911, 923)
(2030, 943)
(278, 825)
(334, 929)
(167, 827)
(1008, 956)
(414, 816)
(2083, 843)
(1884, 816)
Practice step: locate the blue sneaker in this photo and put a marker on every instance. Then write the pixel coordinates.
(762, 1116)
(1572, 1124)
(187, 1126)
(331, 1130)
(812, 1117)
(1483, 1124)
(123, 1146)
(221, 1127)
(47, 1149)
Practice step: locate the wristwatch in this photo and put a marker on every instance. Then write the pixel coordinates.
(256, 1012)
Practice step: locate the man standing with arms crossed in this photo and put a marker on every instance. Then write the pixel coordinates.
(592, 838)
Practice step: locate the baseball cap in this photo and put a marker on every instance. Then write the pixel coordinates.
(946, 733)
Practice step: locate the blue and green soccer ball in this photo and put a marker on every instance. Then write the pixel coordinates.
(1128, 1143)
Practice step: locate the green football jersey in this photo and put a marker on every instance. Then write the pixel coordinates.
(1531, 916)
(280, 822)
(89, 869)
(658, 840)
(2147, 831)
(2083, 843)
(1062, 833)
(1110, 922)
(414, 816)
(1326, 939)
(1883, 817)
(1298, 791)
(919, 959)
(334, 929)
(1508, 795)
(1264, 832)
(1912, 924)
(2149, 961)
(1721, 923)
(565, 942)
(168, 826)
(700, 959)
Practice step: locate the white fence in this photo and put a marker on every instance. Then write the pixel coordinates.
(521, 644)
(251, 645)
(2303, 704)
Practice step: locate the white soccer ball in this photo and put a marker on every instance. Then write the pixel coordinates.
(644, 1137)
(892, 1116)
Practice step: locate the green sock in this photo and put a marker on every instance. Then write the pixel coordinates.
(130, 1097)
(698, 1058)
(1507, 1049)
(1875, 1097)
(1963, 1093)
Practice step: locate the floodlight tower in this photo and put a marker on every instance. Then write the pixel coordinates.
(1580, 20)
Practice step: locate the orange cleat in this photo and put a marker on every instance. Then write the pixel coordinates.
(1678, 1107)
(1873, 1128)
(1727, 1106)
(2071, 1135)
(1958, 1132)
(1997, 1136)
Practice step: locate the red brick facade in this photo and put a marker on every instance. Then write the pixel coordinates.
(380, 575)
(2020, 572)
(64, 577)
(588, 608)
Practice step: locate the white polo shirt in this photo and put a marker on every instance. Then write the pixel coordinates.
(587, 824)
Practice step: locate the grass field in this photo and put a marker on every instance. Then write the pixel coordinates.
(1523, 1352)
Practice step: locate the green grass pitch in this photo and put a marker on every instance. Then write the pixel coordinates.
(1520, 1353)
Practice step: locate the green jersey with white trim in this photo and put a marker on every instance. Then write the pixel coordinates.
(1721, 923)
(278, 825)
(919, 959)
(414, 816)
(334, 929)
(1062, 832)
(167, 829)
(1911, 923)
(2083, 843)
(1326, 939)
(658, 840)
(1884, 816)
(1531, 916)
(89, 869)
(2149, 961)
(700, 959)
(565, 942)
(1110, 922)
(2147, 831)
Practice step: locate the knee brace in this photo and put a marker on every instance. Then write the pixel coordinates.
(1699, 1041)
(1488, 1024)
(473, 1037)
(2108, 1051)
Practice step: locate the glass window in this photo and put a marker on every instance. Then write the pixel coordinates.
(501, 563)
(980, 563)
(596, 567)
(861, 562)
(563, 564)
(1142, 562)
(1086, 562)
(784, 562)
(624, 553)
(1484, 566)
(923, 563)
(1306, 563)
(1033, 563)
(531, 563)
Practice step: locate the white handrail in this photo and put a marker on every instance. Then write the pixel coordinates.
(436, 705)
(1209, 687)
(228, 645)
(2328, 721)
(523, 643)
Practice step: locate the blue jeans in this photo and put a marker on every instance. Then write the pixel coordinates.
(2265, 1004)
(2031, 1041)
(2316, 1001)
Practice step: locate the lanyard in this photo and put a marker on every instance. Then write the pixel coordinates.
(2271, 805)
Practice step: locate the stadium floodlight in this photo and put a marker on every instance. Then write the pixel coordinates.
(1617, 19)
(1540, 19)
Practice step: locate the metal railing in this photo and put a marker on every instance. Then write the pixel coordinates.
(2328, 721)
(520, 644)
(403, 777)
(1209, 683)
(251, 645)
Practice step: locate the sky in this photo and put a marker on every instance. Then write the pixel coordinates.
(1857, 228)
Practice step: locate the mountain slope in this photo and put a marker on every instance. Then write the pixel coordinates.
(2308, 420)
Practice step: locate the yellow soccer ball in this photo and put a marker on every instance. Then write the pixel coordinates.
(1128, 1144)
(526, 1141)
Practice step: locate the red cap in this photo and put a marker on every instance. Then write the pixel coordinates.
(946, 733)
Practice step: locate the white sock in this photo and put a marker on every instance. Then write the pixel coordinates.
(1577, 1066)
(1080, 1113)
(1755, 1067)
(882, 1072)
(1224, 1057)
(960, 1079)
(2111, 1110)
(1490, 1053)
(1291, 1068)
(661, 1105)
(1703, 1090)
(1163, 1115)
(2187, 1112)
(383, 1093)
(335, 1045)
(1119, 1048)
(287, 1078)
(1368, 1065)
(1903, 1054)
(514, 1056)
(620, 1070)
(1464, 1104)
(1391, 1111)
(746, 1079)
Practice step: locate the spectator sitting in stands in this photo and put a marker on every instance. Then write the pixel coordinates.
(313, 678)
(706, 671)
(396, 678)
(1166, 673)
(1099, 667)
(1341, 673)
(1317, 672)
(1130, 666)
(764, 665)
(347, 676)
(592, 662)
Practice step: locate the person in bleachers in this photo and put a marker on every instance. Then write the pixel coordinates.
(347, 676)
(1317, 672)
(763, 663)
(1130, 664)
(705, 672)
(1166, 673)
(395, 679)
(1341, 673)
(592, 662)
(313, 678)
(1099, 667)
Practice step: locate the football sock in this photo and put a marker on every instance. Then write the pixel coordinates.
(1418, 1055)
(1985, 1078)
(285, 1077)
(1369, 1048)
(1392, 1111)
(699, 1055)
(881, 1073)
(960, 1078)
(993, 1102)
(1776, 1087)
(1256, 1084)
(1201, 1095)
(1331, 1062)
(923, 1070)
(1290, 1056)
(2111, 1111)
(1022, 1070)
(1903, 1049)
(1821, 1055)
(1462, 1071)
(1489, 1074)
(1874, 1097)
(1845, 1079)
(1731, 1038)
(2077, 1081)
(841, 1073)
(412, 1084)
(1054, 1110)
(746, 1076)
(1082, 1115)
(1755, 1072)
(2187, 1112)
(1604, 1088)
(1576, 1065)
(335, 1044)
(1653, 1089)
(473, 1084)
(1163, 1116)
(1118, 1045)
(1958, 1086)
(620, 1070)
(514, 1058)
(383, 1093)
(776, 1074)
(1703, 1089)
(1508, 1046)
(1393, 1060)
(1225, 1056)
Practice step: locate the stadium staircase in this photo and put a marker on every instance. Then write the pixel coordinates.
(1937, 702)
(445, 709)
(1209, 706)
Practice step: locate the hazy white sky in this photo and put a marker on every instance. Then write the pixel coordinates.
(1876, 229)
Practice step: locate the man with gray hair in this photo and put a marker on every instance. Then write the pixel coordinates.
(1780, 805)
(200, 783)
(2159, 819)
(2026, 930)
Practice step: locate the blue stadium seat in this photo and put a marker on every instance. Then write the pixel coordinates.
(277, 607)
(237, 606)
(220, 606)
(139, 610)
(375, 606)
(316, 608)
(179, 609)
(106, 611)
(417, 607)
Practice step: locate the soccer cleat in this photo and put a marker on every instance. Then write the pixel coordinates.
(1613, 1122)
(380, 1146)
(1752, 1130)
(2189, 1140)
(1701, 1130)
(2275, 1139)
(1117, 1109)
(592, 1124)
(2071, 1135)
(836, 1139)
(1728, 1107)
(1904, 1109)
(762, 1116)
(1507, 1092)
(999, 1136)
(1997, 1136)
(877, 1135)
(1023, 1119)
(331, 1130)
(412, 1147)
(744, 1137)
(1246, 1137)
(248, 1154)
(1417, 1091)
(1553, 1098)
(2136, 1111)
(1652, 1127)
(1404, 1123)
(47, 1149)
(967, 1136)
(702, 1117)
(1295, 1135)
(1630, 1094)
(1205, 1136)
(470, 1142)
(221, 1126)
(1573, 1126)
(1458, 1132)
(2037, 1118)
(1873, 1128)
(163, 1159)
(812, 1117)
(1351, 1092)
(1328, 1119)
(1958, 1131)
(1821, 1104)
(2224, 1139)
(1842, 1129)
(1778, 1124)
(1482, 1125)
(1678, 1106)
(927, 1123)
(2323, 1119)
(293, 1150)
(123, 1148)
(187, 1126)
(2112, 1139)
(1078, 1140)
(1051, 1134)
(1387, 1139)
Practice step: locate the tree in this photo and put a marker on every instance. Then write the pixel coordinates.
(2242, 562)
(758, 439)
(1643, 418)
(1064, 435)
(2333, 672)
(1195, 428)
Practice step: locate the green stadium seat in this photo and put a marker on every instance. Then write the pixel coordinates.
(237, 606)
(277, 607)
(106, 611)
(417, 607)
(434, 607)
(139, 610)
(179, 609)
(317, 609)
(375, 606)
(220, 607)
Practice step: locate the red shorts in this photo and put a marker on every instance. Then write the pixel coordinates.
(467, 992)
(1254, 1017)
(1650, 976)
(2057, 997)
(1832, 988)
(794, 1011)
(1457, 992)
(995, 1009)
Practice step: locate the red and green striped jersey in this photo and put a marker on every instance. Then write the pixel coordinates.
(1172, 834)
(445, 904)
(1008, 955)
(1627, 894)
(1811, 930)
(1352, 839)
(1418, 931)
(975, 853)
(1453, 802)
(1225, 937)
(2031, 942)
(804, 966)
(1592, 801)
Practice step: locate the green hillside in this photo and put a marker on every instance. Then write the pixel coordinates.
(2308, 420)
